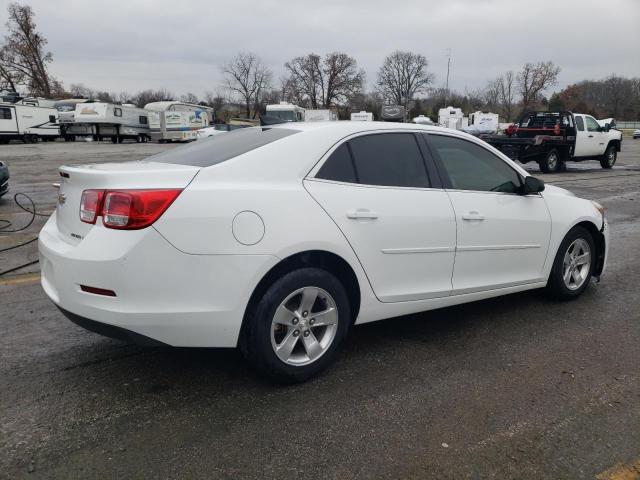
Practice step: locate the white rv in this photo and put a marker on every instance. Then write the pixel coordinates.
(179, 121)
(483, 122)
(422, 120)
(286, 111)
(27, 123)
(362, 116)
(66, 111)
(451, 117)
(324, 115)
(106, 120)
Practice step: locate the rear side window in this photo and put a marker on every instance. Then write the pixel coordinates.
(472, 167)
(142, 120)
(5, 114)
(389, 159)
(580, 124)
(219, 148)
(339, 166)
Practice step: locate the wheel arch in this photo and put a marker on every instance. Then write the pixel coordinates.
(324, 259)
(616, 143)
(599, 240)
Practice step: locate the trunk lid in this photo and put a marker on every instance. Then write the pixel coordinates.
(110, 176)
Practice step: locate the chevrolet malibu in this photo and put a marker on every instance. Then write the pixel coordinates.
(278, 239)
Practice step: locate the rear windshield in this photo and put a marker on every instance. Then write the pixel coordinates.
(212, 150)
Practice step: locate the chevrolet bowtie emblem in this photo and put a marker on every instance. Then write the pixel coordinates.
(62, 198)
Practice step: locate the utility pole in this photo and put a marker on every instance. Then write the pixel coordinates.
(446, 90)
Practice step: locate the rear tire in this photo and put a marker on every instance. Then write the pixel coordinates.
(573, 265)
(286, 337)
(609, 158)
(551, 162)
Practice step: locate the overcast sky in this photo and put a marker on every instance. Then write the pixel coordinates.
(130, 45)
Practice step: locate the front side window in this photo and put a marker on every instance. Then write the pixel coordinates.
(580, 124)
(143, 120)
(389, 159)
(472, 167)
(592, 125)
(5, 114)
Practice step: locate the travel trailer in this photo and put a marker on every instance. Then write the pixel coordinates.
(106, 120)
(28, 123)
(393, 113)
(177, 121)
(66, 111)
(422, 120)
(451, 117)
(482, 122)
(362, 116)
(320, 116)
(286, 111)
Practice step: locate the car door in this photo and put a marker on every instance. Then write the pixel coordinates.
(502, 236)
(598, 138)
(377, 190)
(586, 138)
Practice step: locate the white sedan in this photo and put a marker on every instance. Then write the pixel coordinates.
(278, 239)
(208, 132)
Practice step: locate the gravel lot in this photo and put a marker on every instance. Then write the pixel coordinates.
(514, 387)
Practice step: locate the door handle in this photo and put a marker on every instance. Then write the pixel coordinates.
(361, 213)
(590, 136)
(473, 216)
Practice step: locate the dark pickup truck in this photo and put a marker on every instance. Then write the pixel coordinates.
(553, 138)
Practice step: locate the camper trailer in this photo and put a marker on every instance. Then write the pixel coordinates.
(28, 123)
(324, 115)
(451, 117)
(422, 120)
(482, 122)
(106, 120)
(177, 121)
(362, 116)
(393, 113)
(66, 111)
(287, 112)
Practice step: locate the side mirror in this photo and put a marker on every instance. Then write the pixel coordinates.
(607, 127)
(532, 185)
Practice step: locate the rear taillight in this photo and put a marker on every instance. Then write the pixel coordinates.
(90, 205)
(131, 209)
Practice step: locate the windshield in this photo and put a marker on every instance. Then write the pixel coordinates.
(219, 148)
(287, 115)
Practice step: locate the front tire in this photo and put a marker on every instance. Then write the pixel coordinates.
(293, 331)
(573, 265)
(609, 158)
(551, 163)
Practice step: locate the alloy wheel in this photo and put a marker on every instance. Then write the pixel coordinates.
(576, 264)
(304, 326)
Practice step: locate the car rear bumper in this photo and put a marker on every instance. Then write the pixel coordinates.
(160, 292)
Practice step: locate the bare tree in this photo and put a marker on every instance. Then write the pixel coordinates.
(23, 58)
(324, 81)
(79, 90)
(402, 76)
(247, 76)
(189, 98)
(506, 94)
(147, 96)
(535, 79)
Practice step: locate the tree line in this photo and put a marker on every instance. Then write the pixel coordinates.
(331, 80)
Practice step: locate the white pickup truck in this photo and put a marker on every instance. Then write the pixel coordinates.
(553, 138)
